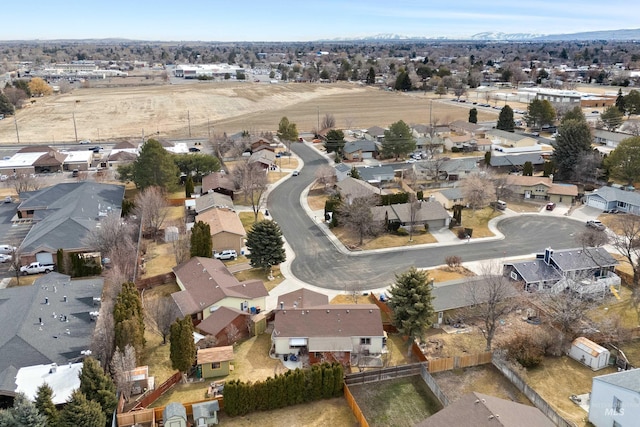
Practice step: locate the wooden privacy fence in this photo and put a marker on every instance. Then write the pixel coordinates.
(357, 412)
(383, 374)
(153, 395)
(458, 362)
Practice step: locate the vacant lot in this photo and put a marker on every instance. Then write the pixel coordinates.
(397, 402)
(167, 110)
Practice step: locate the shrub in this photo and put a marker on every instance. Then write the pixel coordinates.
(426, 228)
(526, 349)
(453, 261)
(461, 233)
(420, 195)
(455, 150)
(402, 231)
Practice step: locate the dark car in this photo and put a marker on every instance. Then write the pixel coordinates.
(551, 206)
(194, 150)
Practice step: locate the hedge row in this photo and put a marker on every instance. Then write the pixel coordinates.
(294, 387)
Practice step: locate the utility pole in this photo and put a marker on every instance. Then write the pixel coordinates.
(318, 122)
(209, 127)
(15, 121)
(75, 129)
(189, 122)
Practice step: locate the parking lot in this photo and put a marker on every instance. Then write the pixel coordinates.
(10, 233)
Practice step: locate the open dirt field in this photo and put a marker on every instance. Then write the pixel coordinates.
(167, 110)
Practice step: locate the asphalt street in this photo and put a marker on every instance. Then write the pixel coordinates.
(319, 263)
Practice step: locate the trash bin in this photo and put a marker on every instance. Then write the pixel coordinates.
(253, 310)
(286, 357)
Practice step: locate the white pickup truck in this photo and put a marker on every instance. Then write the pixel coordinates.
(36, 268)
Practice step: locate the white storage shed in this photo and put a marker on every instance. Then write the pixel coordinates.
(589, 353)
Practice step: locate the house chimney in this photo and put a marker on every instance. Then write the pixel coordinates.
(64, 298)
(46, 300)
(281, 305)
(548, 253)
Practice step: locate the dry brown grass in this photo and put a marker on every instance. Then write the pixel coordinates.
(252, 362)
(24, 280)
(175, 214)
(623, 309)
(230, 106)
(397, 348)
(260, 274)
(523, 207)
(317, 198)
(444, 274)
(274, 176)
(478, 221)
(156, 356)
(333, 412)
(287, 162)
(183, 392)
(349, 299)
(351, 240)
(484, 379)
(159, 259)
(248, 219)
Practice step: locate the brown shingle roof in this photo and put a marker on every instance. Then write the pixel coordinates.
(215, 354)
(222, 220)
(217, 180)
(528, 181)
(564, 190)
(211, 200)
(52, 158)
(207, 281)
(348, 320)
(304, 298)
(123, 145)
(36, 149)
(123, 156)
(219, 319)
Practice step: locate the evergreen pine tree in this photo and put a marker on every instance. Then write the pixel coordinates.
(6, 107)
(371, 76)
(265, 245)
(44, 403)
(188, 186)
(22, 414)
(354, 173)
(505, 120)
(473, 115)
(182, 350)
(98, 387)
(411, 302)
(155, 167)
(129, 319)
(574, 139)
(527, 169)
(80, 411)
(201, 244)
(620, 102)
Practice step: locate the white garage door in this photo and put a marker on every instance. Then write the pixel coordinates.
(367, 155)
(44, 258)
(596, 202)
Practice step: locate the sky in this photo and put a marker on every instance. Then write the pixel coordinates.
(285, 20)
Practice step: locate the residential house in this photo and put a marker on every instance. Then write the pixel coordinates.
(606, 198)
(352, 188)
(227, 231)
(343, 170)
(465, 127)
(449, 197)
(261, 144)
(63, 380)
(445, 170)
(459, 142)
(218, 182)
(428, 145)
(423, 213)
(301, 298)
(376, 175)
(214, 362)
(360, 149)
(539, 187)
(205, 413)
(227, 324)
(47, 323)
(614, 399)
(586, 271)
(482, 410)
(212, 200)
(120, 158)
(608, 138)
(510, 142)
(174, 415)
(515, 162)
(329, 332)
(63, 215)
(376, 133)
(206, 284)
(482, 144)
(265, 158)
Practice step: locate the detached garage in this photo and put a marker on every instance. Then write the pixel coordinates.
(589, 353)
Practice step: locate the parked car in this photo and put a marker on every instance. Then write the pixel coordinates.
(295, 173)
(85, 141)
(411, 160)
(7, 249)
(8, 199)
(5, 257)
(194, 150)
(498, 205)
(594, 223)
(551, 206)
(36, 268)
(229, 254)
(612, 211)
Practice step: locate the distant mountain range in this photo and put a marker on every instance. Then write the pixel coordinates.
(618, 35)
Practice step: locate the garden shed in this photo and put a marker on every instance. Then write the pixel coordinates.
(174, 415)
(589, 353)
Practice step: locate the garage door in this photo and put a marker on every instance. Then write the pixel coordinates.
(44, 258)
(367, 155)
(596, 202)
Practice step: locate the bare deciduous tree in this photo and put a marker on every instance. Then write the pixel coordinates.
(151, 208)
(252, 180)
(103, 340)
(208, 342)
(328, 122)
(182, 248)
(478, 190)
(627, 242)
(588, 167)
(26, 182)
(491, 298)
(566, 310)
(159, 314)
(356, 215)
(590, 237)
(123, 362)
(325, 175)
(232, 333)
(501, 184)
(414, 209)
(115, 240)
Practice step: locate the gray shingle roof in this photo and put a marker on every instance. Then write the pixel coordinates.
(583, 259)
(511, 136)
(68, 212)
(457, 293)
(342, 167)
(610, 136)
(516, 159)
(174, 410)
(452, 193)
(536, 271)
(377, 173)
(24, 342)
(629, 380)
(360, 145)
(213, 200)
(611, 194)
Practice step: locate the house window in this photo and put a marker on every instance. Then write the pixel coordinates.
(513, 275)
(365, 341)
(318, 355)
(215, 365)
(622, 205)
(617, 405)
